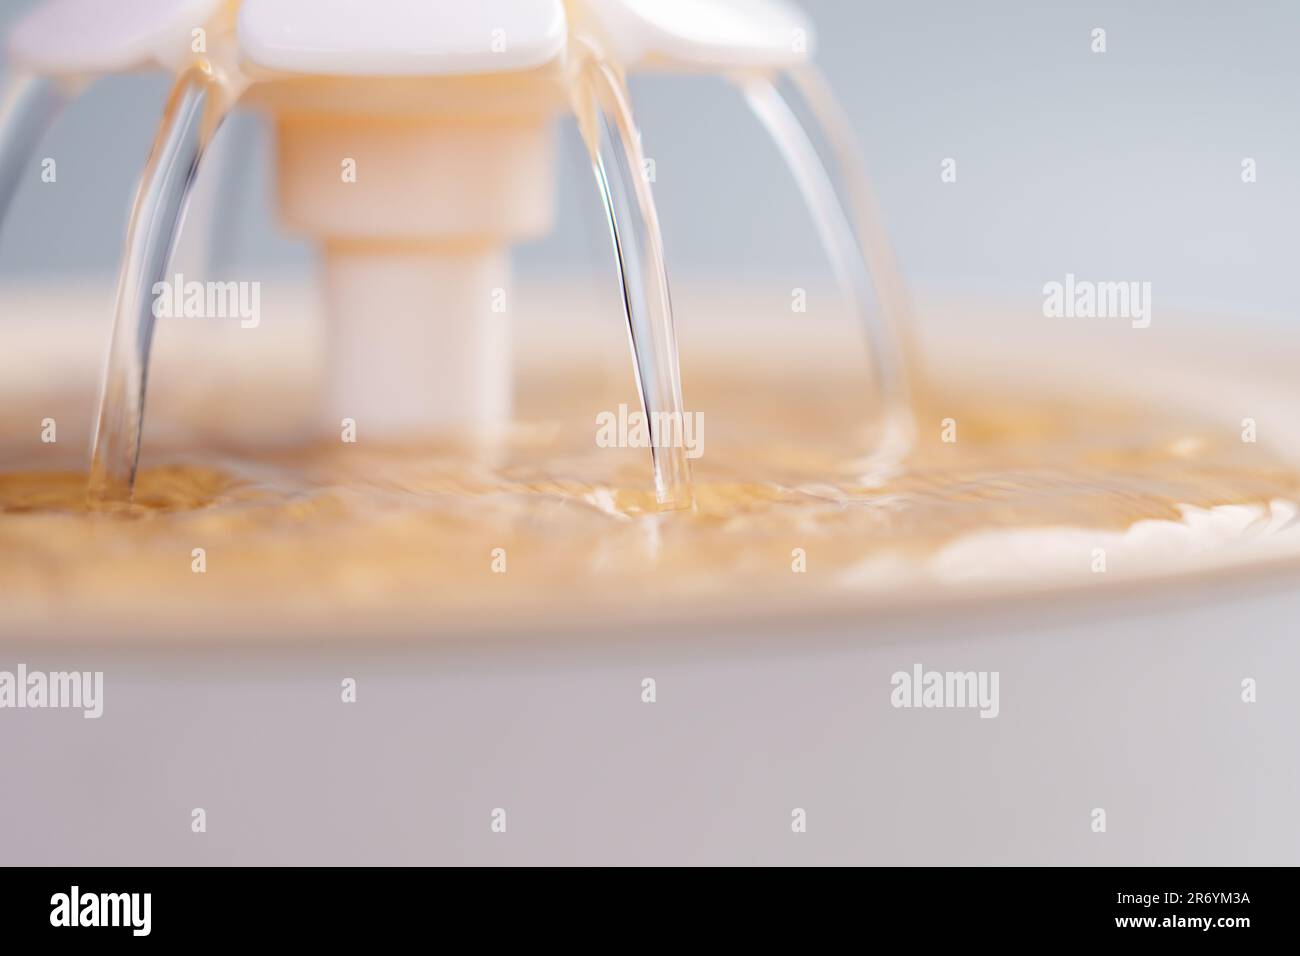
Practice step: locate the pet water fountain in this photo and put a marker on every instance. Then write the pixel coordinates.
(499, 609)
(449, 111)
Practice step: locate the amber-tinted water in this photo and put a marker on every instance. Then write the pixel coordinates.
(369, 539)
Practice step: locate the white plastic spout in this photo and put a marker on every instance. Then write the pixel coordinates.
(415, 216)
(417, 342)
(414, 145)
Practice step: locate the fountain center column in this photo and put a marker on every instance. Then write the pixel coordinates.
(415, 215)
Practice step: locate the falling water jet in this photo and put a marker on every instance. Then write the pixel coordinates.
(199, 101)
(28, 105)
(837, 130)
(600, 95)
(859, 258)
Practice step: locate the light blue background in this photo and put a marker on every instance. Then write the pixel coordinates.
(1124, 165)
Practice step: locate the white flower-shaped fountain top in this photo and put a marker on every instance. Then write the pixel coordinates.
(409, 37)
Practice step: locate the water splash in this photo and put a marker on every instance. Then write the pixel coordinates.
(199, 101)
(605, 119)
(859, 251)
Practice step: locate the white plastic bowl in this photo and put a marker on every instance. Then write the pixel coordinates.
(1124, 696)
